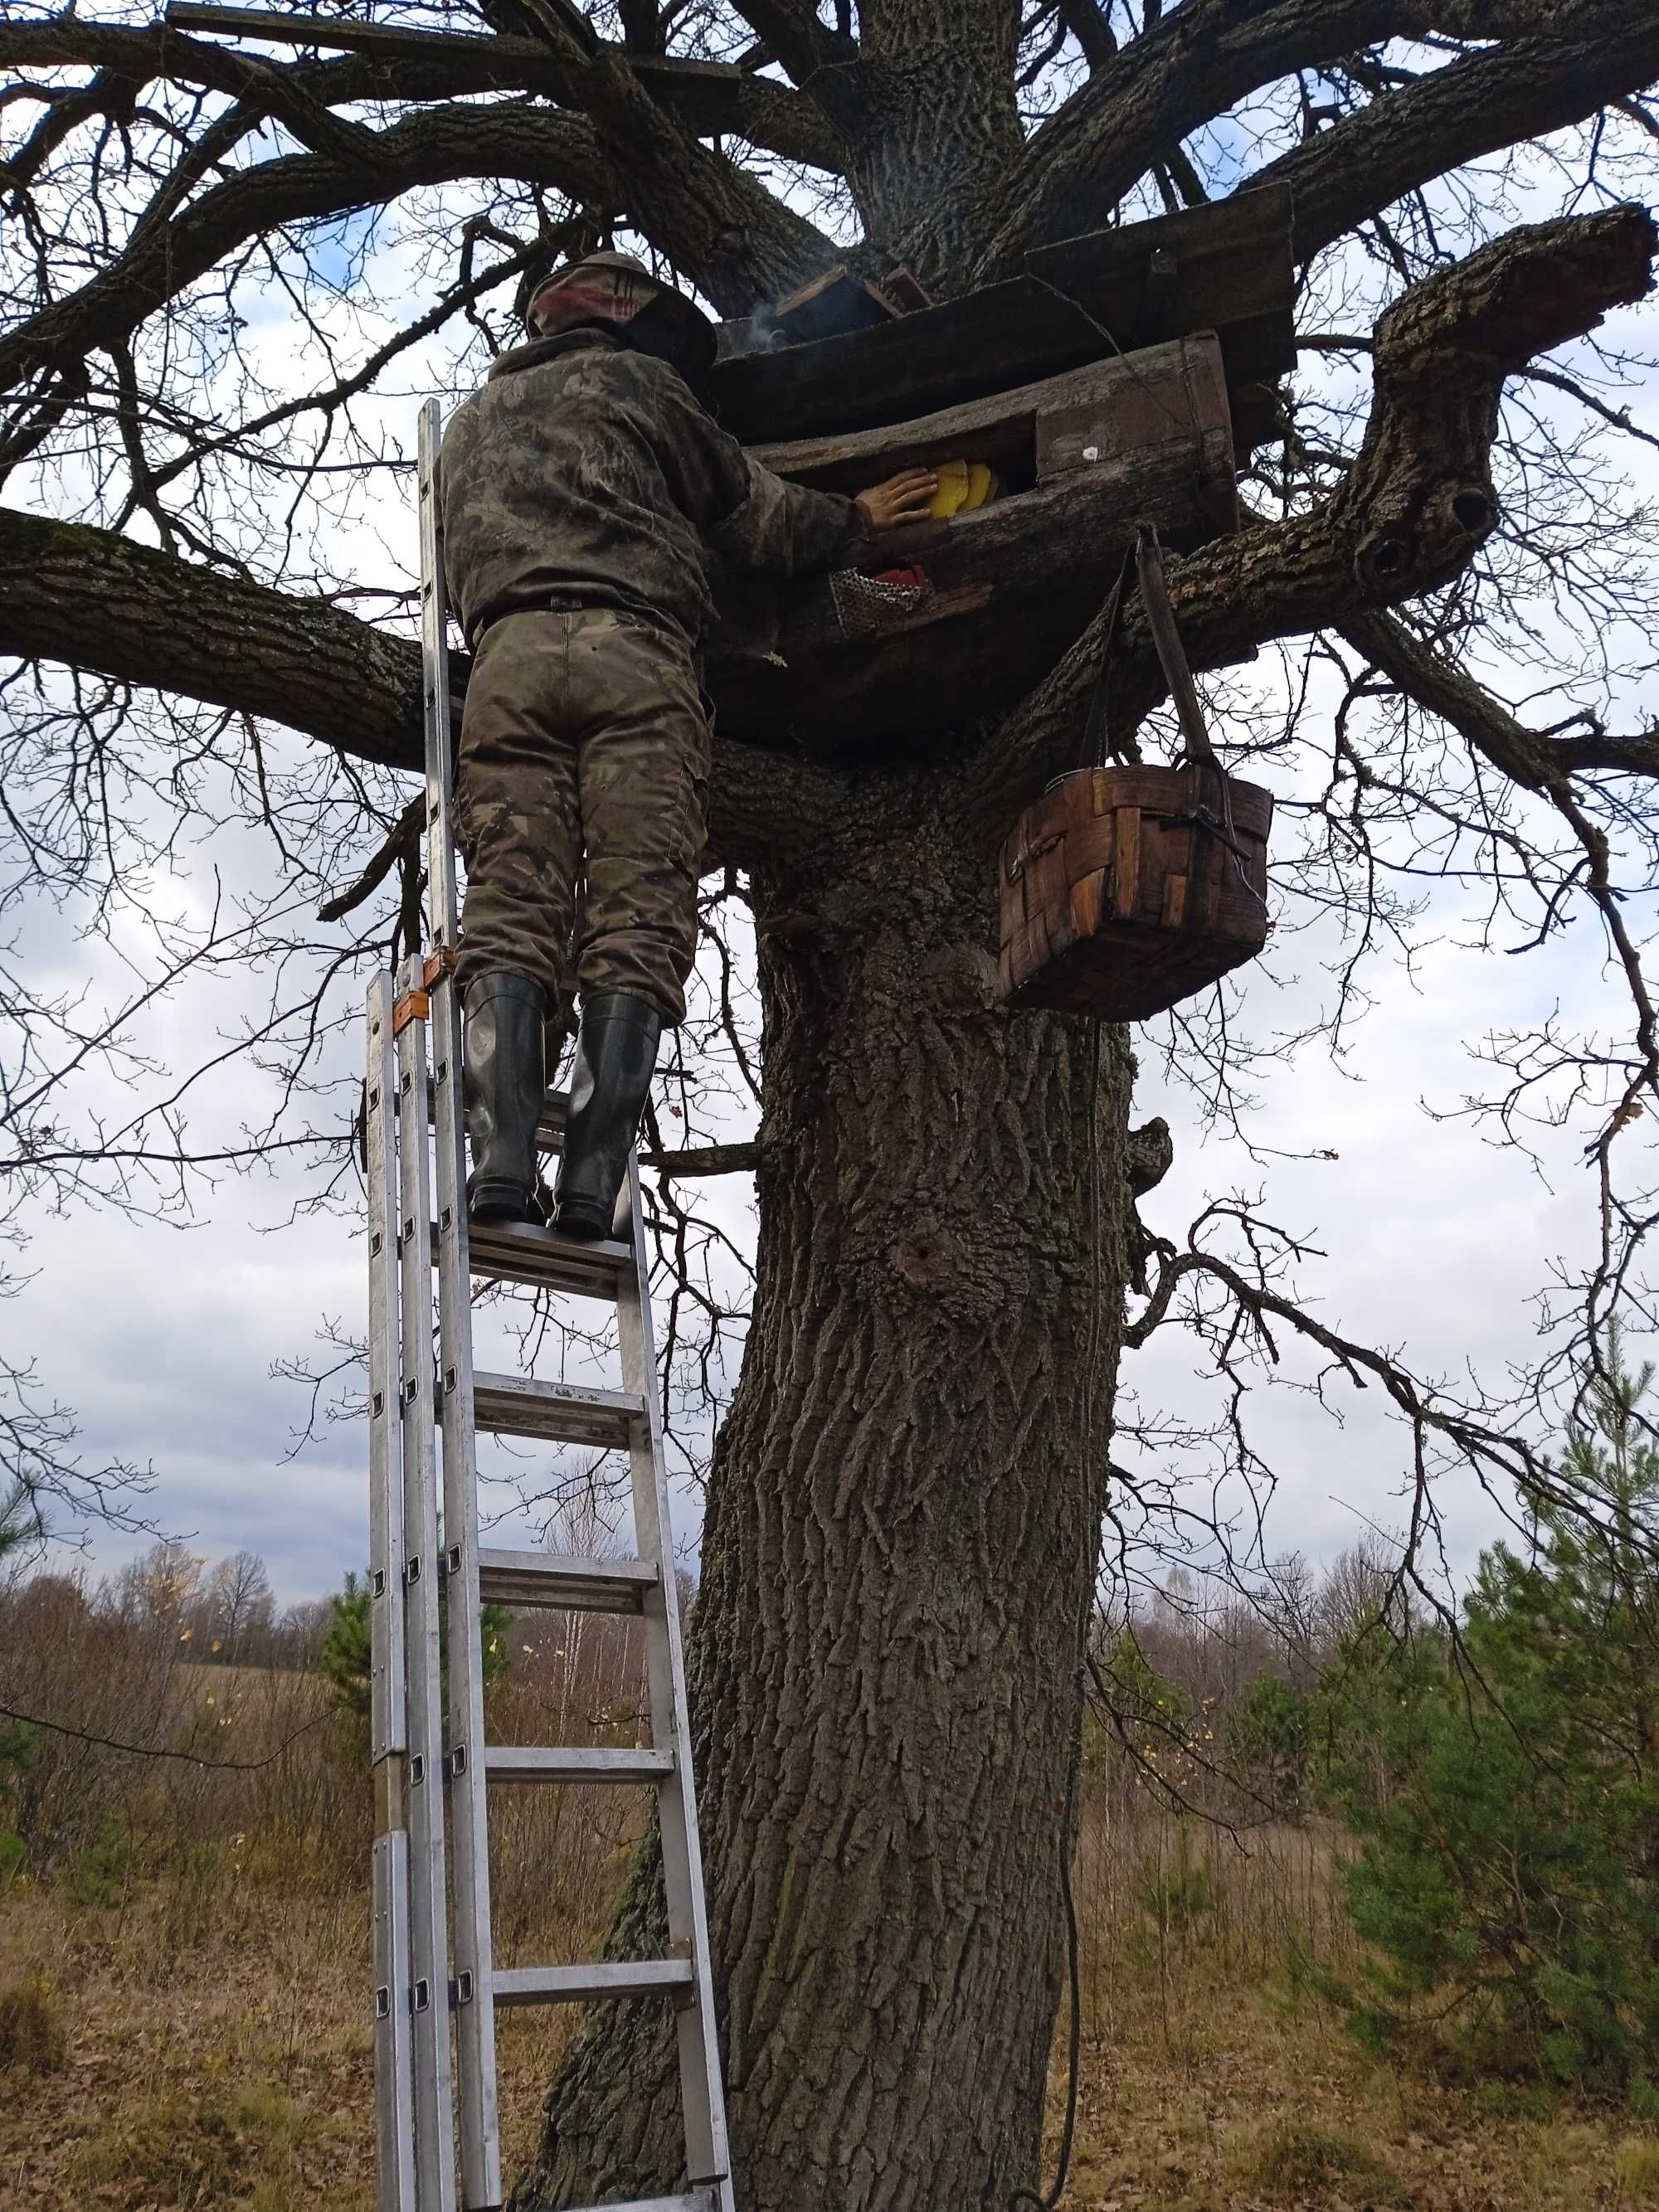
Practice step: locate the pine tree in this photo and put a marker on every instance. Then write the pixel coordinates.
(345, 1662)
(1506, 1785)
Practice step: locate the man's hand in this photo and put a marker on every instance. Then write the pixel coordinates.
(904, 498)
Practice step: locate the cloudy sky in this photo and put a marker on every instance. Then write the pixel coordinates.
(164, 1339)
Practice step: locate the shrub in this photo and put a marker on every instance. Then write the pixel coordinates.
(100, 1873)
(31, 2035)
(1177, 1891)
(346, 1662)
(1309, 2165)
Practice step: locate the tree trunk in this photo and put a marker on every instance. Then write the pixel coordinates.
(898, 1559)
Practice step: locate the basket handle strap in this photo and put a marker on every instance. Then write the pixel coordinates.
(1160, 620)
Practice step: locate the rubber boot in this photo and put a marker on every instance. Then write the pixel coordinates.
(505, 1085)
(616, 1054)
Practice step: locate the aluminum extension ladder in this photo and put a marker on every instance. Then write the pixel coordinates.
(431, 1836)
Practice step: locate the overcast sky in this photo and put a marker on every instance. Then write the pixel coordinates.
(164, 1339)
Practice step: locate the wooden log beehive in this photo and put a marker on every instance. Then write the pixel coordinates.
(1120, 898)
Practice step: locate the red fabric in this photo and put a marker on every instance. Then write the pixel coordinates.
(599, 297)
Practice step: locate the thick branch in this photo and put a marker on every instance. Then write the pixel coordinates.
(724, 229)
(1204, 57)
(1086, 21)
(819, 60)
(435, 147)
(733, 238)
(703, 1160)
(1526, 757)
(393, 62)
(91, 599)
(1458, 114)
(1417, 502)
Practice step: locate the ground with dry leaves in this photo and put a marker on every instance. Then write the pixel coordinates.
(180, 2049)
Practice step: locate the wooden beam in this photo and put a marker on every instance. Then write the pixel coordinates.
(1011, 334)
(1225, 267)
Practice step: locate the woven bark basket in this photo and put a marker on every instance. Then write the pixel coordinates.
(1118, 901)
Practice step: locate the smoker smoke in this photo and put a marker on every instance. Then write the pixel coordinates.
(761, 333)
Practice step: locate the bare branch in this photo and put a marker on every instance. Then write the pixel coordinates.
(1412, 511)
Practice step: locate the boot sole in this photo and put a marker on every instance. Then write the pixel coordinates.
(584, 1224)
(494, 1204)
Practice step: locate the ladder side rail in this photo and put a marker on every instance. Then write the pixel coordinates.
(475, 2011)
(435, 2155)
(442, 907)
(388, 1711)
(481, 2154)
(703, 2097)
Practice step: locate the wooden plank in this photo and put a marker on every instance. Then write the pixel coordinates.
(1010, 334)
(1228, 266)
(1156, 388)
(1088, 898)
(1126, 870)
(828, 306)
(1144, 404)
(1228, 269)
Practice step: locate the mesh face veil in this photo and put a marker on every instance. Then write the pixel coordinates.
(615, 293)
(612, 296)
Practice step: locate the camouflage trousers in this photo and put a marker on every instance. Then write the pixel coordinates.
(584, 757)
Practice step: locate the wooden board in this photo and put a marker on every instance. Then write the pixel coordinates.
(1011, 334)
(1162, 391)
(830, 305)
(1226, 268)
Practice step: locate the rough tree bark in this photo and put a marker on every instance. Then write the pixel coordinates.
(899, 1553)
(900, 1547)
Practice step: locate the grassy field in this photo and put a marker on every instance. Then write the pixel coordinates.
(184, 1964)
(206, 2046)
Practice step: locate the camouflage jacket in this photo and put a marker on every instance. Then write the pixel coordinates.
(584, 473)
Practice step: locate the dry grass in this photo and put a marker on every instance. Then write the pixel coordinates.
(184, 1972)
(234, 2072)
(1212, 2082)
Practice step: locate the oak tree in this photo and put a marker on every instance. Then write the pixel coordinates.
(232, 265)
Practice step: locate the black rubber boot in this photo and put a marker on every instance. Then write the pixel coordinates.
(505, 1084)
(615, 1053)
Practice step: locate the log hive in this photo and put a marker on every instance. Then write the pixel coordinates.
(1083, 458)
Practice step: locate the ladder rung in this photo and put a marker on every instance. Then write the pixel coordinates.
(566, 1583)
(550, 1129)
(606, 1978)
(506, 1762)
(701, 2200)
(516, 1405)
(550, 1126)
(517, 1252)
